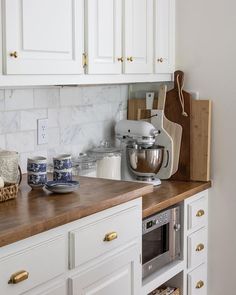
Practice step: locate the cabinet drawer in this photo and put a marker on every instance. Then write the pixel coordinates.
(197, 281)
(197, 248)
(88, 242)
(43, 262)
(197, 213)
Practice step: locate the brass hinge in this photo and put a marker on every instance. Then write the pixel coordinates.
(85, 60)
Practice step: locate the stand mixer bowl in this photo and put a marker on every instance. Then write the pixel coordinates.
(145, 163)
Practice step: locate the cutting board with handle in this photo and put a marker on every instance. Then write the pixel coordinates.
(194, 161)
(180, 112)
(173, 129)
(163, 138)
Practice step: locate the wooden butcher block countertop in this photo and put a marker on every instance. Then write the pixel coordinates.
(170, 193)
(35, 211)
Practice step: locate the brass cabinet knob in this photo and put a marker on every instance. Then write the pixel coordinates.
(121, 59)
(199, 285)
(18, 277)
(14, 54)
(200, 247)
(200, 213)
(160, 60)
(130, 58)
(110, 236)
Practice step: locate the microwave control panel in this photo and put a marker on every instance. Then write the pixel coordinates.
(156, 221)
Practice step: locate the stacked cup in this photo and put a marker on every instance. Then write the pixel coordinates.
(37, 171)
(62, 168)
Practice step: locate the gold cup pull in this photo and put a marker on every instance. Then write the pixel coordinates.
(110, 236)
(160, 60)
(200, 213)
(130, 58)
(121, 59)
(199, 285)
(200, 247)
(14, 54)
(18, 277)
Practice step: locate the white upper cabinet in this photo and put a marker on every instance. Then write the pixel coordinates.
(138, 30)
(164, 36)
(43, 36)
(104, 36)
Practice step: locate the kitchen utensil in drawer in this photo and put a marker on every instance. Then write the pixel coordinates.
(20, 271)
(197, 281)
(197, 213)
(9, 167)
(197, 248)
(91, 241)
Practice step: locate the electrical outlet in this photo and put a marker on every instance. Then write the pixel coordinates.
(42, 131)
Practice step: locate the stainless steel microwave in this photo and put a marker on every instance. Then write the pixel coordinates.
(160, 240)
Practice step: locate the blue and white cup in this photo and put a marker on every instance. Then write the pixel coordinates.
(62, 168)
(62, 162)
(63, 175)
(37, 171)
(37, 165)
(37, 180)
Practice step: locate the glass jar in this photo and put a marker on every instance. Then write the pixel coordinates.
(86, 166)
(108, 161)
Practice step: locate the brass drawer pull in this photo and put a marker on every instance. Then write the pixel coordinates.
(200, 247)
(200, 213)
(14, 54)
(121, 59)
(18, 277)
(110, 236)
(130, 58)
(199, 285)
(160, 60)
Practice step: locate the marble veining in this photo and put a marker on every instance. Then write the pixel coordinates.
(78, 118)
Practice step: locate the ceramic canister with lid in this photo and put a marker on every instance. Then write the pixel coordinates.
(108, 161)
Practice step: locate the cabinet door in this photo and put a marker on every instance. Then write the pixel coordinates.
(43, 36)
(164, 36)
(104, 36)
(119, 275)
(57, 290)
(138, 30)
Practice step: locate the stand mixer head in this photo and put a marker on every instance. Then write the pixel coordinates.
(141, 157)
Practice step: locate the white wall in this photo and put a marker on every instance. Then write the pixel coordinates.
(79, 118)
(206, 52)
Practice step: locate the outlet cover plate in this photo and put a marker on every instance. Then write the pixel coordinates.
(42, 131)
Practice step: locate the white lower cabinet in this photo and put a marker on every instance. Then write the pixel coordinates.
(98, 254)
(197, 281)
(118, 275)
(196, 227)
(37, 263)
(56, 290)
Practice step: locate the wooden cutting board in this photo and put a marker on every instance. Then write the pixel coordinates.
(173, 129)
(200, 140)
(198, 164)
(173, 112)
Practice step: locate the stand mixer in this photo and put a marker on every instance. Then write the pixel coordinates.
(142, 156)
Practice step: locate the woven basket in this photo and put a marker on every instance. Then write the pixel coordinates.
(162, 291)
(8, 192)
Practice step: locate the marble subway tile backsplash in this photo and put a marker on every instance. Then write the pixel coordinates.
(78, 118)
